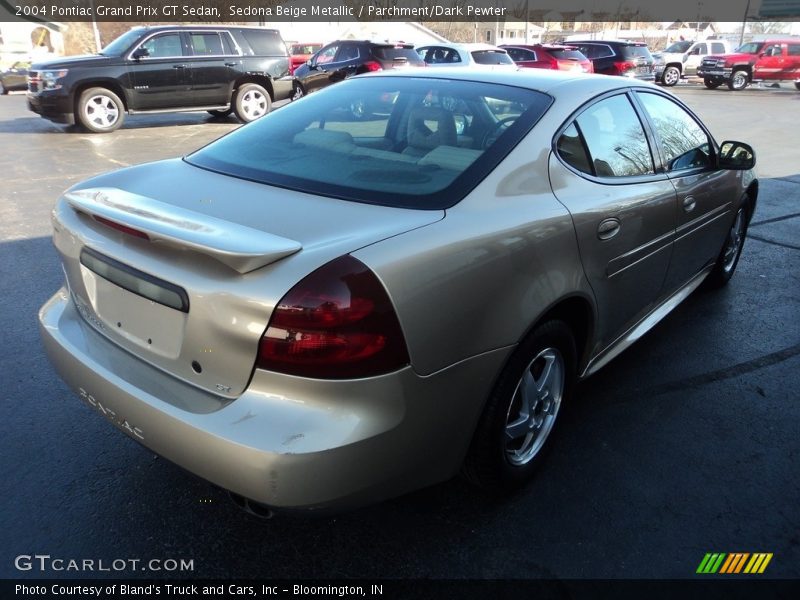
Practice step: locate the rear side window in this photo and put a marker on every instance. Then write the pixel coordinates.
(208, 44)
(491, 57)
(264, 42)
(793, 49)
(635, 52)
(717, 48)
(595, 50)
(615, 139)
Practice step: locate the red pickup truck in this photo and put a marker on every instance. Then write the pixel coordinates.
(770, 60)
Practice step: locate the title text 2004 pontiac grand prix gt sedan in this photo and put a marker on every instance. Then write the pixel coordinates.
(318, 311)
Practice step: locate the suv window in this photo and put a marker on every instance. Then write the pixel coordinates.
(595, 50)
(683, 142)
(326, 55)
(208, 44)
(793, 50)
(347, 52)
(566, 54)
(631, 51)
(615, 138)
(264, 42)
(773, 50)
(165, 45)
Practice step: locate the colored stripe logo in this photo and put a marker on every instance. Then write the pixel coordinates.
(734, 563)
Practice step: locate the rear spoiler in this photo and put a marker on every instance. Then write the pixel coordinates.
(241, 248)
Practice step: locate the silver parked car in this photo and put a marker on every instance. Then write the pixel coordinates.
(319, 312)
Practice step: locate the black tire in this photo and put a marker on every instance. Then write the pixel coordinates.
(711, 84)
(797, 85)
(731, 250)
(251, 102)
(220, 113)
(99, 110)
(739, 80)
(298, 91)
(671, 76)
(498, 458)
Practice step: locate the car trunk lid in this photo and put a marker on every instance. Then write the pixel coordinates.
(182, 267)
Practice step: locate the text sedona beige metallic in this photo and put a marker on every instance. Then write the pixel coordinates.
(322, 310)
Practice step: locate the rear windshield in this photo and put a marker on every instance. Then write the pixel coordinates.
(394, 141)
(567, 54)
(491, 57)
(264, 42)
(388, 53)
(635, 52)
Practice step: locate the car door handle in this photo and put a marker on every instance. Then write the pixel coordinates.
(688, 204)
(178, 66)
(608, 228)
(231, 64)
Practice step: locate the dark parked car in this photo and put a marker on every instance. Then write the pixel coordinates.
(168, 68)
(549, 56)
(15, 77)
(344, 58)
(614, 57)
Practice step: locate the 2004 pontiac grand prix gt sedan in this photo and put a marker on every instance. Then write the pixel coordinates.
(319, 311)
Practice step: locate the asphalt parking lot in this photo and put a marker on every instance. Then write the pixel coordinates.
(686, 444)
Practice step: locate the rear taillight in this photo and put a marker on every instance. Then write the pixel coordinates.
(623, 67)
(337, 323)
(372, 65)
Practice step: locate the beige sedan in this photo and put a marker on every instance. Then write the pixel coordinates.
(318, 312)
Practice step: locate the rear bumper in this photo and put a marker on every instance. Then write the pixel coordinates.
(287, 442)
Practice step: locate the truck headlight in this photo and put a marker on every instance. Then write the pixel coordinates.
(51, 79)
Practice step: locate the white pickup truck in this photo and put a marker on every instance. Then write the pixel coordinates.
(682, 58)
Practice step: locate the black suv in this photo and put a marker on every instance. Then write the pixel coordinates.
(613, 57)
(161, 69)
(345, 58)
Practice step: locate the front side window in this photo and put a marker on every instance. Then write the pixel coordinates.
(417, 143)
(750, 48)
(164, 46)
(683, 142)
(615, 139)
(326, 55)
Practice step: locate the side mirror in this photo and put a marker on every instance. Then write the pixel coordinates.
(736, 156)
(140, 53)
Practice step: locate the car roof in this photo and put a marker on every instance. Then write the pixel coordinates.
(467, 47)
(543, 80)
